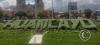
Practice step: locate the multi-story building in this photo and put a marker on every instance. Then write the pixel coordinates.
(20, 5)
(39, 5)
(72, 6)
(29, 8)
(72, 9)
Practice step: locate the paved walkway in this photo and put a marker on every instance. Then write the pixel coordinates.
(37, 38)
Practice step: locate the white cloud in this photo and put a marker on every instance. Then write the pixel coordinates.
(48, 3)
(11, 2)
(30, 2)
(7, 3)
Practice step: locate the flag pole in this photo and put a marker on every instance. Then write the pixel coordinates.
(35, 9)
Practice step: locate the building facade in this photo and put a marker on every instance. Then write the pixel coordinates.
(29, 8)
(72, 6)
(20, 5)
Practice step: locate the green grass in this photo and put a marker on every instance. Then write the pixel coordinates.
(51, 38)
(97, 24)
(18, 37)
(69, 38)
(14, 37)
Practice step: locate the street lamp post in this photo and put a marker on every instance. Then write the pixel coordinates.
(52, 10)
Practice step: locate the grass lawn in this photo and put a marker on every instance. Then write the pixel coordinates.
(97, 24)
(69, 38)
(14, 37)
(8, 37)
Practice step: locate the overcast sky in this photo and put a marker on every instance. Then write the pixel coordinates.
(47, 2)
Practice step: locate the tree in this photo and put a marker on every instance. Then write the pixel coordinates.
(41, 15)
(88, 13)
(21, 14)
(1, 13)
(66, 15)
